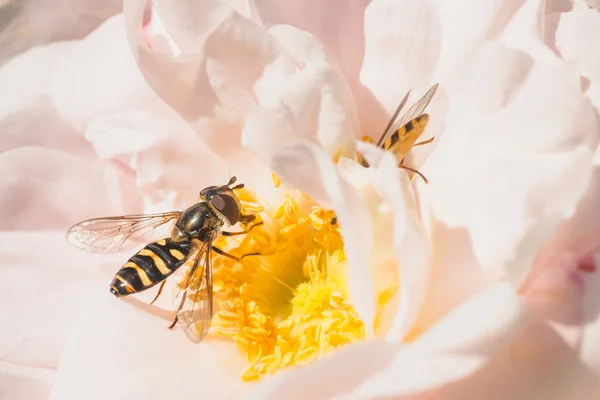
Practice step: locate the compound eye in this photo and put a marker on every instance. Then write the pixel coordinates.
(227, 206)
(206, 192)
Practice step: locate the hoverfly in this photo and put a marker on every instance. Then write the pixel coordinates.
(403, 131)
(190, 243)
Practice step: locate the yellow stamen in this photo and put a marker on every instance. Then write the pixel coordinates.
(273, 325)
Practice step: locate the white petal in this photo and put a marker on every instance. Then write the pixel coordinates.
(99, 77)
(410, 243)
(119, 349)
(32, 23)
(59, 189)
(523, 149)
(309, 168)
(42, 280)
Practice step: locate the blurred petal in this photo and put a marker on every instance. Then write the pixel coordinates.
(122, 348)
(542, 361)
(27, 116)
(41, 292)
(20, 382)
(59, 189)
(29, 23)
(100, 77)
(572, 36)
(509, 135)
(169, 161)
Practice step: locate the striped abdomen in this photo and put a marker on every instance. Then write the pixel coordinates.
(401, 141)
(151, 265)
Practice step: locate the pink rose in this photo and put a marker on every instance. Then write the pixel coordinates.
(481, 283)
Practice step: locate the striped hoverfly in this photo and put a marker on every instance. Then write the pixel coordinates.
(403, 131)
(190, 243)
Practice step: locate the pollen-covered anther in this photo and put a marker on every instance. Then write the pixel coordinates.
(289, 306)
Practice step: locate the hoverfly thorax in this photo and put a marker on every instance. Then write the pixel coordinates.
(195, 222)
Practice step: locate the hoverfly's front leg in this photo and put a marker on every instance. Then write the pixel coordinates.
(162, 285)
(241, 232)
(224, 253)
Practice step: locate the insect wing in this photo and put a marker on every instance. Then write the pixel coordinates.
(193, 297)
(113, 234)
(414, 111)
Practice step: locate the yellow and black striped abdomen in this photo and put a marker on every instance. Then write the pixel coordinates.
(401, 141)
(151, 265)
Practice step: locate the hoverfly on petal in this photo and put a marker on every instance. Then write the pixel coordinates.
(190, 245)
(403, 131)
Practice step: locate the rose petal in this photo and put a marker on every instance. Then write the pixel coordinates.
(36, 22)
(42, 278)
(100, 77)
(27, 116)
(537, 159)
(410, 243)
(19, 382)
(564, 33)
(165, 155)
(131, 346)
(59, 189)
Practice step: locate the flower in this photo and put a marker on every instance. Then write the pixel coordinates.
(474, 276)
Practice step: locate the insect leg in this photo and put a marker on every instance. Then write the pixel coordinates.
(414, 171)
(424, 142)
(242, 232)
(223, 253)
(162, 285)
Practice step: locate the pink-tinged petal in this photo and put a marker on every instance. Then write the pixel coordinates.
(20, 382)
(336, 375)
(59, 189)
(540, 142)
(338, 25)
(314, 103)
(309, 168)
(27, 115)
(43, 279)
(572, 35)
(526, 32)
(402, 47)
(411, 245)
(169, 161)
(99, 77)
(455, 348)
(122, 348)
(543, 360)
(32, 23)
(221, 55)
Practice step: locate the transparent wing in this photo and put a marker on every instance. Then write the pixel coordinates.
(193, 296)
(414, 111)
(113, 234)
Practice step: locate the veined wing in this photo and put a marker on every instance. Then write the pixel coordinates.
(113, 234)
(193, 295)
(398, 121)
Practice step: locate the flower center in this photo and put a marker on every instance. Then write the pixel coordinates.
(289, 305)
